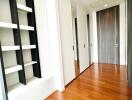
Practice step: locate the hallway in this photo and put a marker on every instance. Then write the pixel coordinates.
(98, 82)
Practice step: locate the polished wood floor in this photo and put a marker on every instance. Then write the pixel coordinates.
(98, 82)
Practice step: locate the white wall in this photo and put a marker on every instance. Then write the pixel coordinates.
(1, 97)
(65, 13)
(82, 36)
(55, 43)
(93, 33)
(123, 37)
(43, 36)
(93, 36)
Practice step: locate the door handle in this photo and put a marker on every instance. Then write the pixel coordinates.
(73, 47)
(116, 45)
(84, 46)
(91, 44)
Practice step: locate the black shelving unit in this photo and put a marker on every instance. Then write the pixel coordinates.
(31, 30)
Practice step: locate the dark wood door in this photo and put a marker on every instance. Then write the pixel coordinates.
(129, 56)
(108, 35)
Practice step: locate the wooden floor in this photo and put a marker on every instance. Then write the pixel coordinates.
(99, 82)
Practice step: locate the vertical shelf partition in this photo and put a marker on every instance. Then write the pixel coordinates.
(17, 40)
(33, 38)
(2, 79)
(19, 48)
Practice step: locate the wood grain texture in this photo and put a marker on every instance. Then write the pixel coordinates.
(99, 82)
(108, 35)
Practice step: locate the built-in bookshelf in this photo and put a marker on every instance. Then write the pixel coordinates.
(19, 54)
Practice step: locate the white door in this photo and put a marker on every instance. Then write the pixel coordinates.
(82, 37)
(67, 40)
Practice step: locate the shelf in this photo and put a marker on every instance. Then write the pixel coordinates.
(19, 89)
(23, 8)
(13, 69)
(30, 63)
(10, 48)
(8, 25)
(29, 28)
(28, 47)
(15, 87)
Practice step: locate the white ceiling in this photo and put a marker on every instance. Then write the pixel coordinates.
(97, 4)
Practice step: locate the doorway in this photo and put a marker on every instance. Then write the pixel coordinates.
(76, 49)
(89, 42)
(108, 36)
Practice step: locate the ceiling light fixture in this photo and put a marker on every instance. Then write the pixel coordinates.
(106, 5)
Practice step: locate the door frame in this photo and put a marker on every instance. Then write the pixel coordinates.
(129, 42)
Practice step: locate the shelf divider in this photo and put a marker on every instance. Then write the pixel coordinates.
(3, 78)
(28, 47)
(17, 39)
(34, 39)
(8, 25)
(10, 48)
(13, 69)
(30, 63)
(23, 8)
(29, 28)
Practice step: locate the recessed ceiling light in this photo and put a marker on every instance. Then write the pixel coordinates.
(105, 5)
